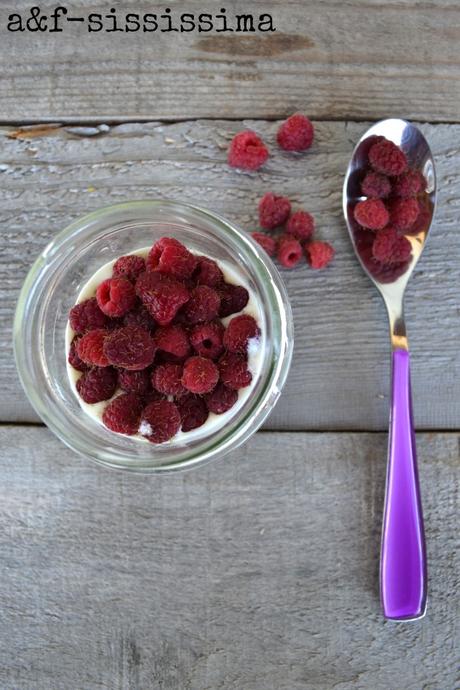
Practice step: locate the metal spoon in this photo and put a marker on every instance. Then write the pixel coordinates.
(403, 572)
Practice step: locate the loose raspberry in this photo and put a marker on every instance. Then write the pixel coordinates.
(123, 414)
(319, 254)
(134, 381)
(139, 316)
(391, 248)
(233, 298)
(375, 185)
(200, 375)
(301, 225)
(171, 257)
(116, 296)
(86, 316)
(387, 158)
(206, 339)
(90, 347)
(410, 184)
(97, 384)
(203, 305)
(240, 331)
(371, 214)
(273, 211)
(247, 151)
(208, 272)
(266, 242)
(160, 421)
(296, 133)
(193, 411)
(221, 399)
(163, 296)
(289, 251)
(167, 379)
(234, 371)
(130, 347)
(173, 340)
(129, 267)
(73, 358)
(403, 213)
(385, 273)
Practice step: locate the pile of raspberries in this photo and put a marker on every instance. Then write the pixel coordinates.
(154, 334)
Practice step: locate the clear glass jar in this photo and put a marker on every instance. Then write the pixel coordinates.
(51, 289)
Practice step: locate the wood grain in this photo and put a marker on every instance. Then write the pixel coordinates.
(336, 60)
(249, 574)
(340, 373)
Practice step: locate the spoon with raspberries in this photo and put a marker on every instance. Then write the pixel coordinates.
(389, 199)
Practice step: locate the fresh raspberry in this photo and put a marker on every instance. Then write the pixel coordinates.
(206, 339)
(296, 133)
(301, 225)
(134, 381)
(73, 358)
(403, 213)
(387, 158)
(266, 242)
(200, 375)
(203, 305)
(160, 421)
(97, 384)
(116, 296)
(240, 331)
(384, 273)
(221, 399)
(90, 348)
(167, 379)
(375, 185)
(371, 214)
(233, 298)
(171, 257)
(129, 267)
(319, 254)
(139, 316)
(410, 184)
(208, 272)
(86, 315)
(391, 248)
(163, 296)
(123, 414)
(247, 151)
(130, 347)
(273, 211)
(234, 371)
(193, 411)
(289, 251)
(173, 340)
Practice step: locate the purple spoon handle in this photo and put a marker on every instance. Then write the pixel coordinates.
(403, 559)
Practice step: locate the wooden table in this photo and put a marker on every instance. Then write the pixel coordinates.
(259, 572)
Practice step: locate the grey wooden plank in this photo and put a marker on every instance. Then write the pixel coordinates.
(251, 573)
(340, 372)
(337, 59)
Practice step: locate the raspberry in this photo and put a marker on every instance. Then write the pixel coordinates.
(203, 305)
(86, 315)
(130, 347)
(116, 296)
(163, 296)
(409, 184)
(171, 257)
(233, 298)
(73, 358)
(130, 267)
(221, 399)
(90, 348)
(160, 421)
(319, 254)
(206, 339)
(97, 384)
(289, 251)
(208, 272)
(385, 273)
(391, 248)
(371, 214)
(123, 414)
(301, 225)
(422, 223)
(273, 211)
(134, 381)
(173, 340)
(234, 371)
(296, 133)
(193, 411)
(139, 316)
(387, 158)
(403, 213)
(266, 242)
(247, 151)
(200, 375)
(240, 331)
(167, 379)
(375, 185)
